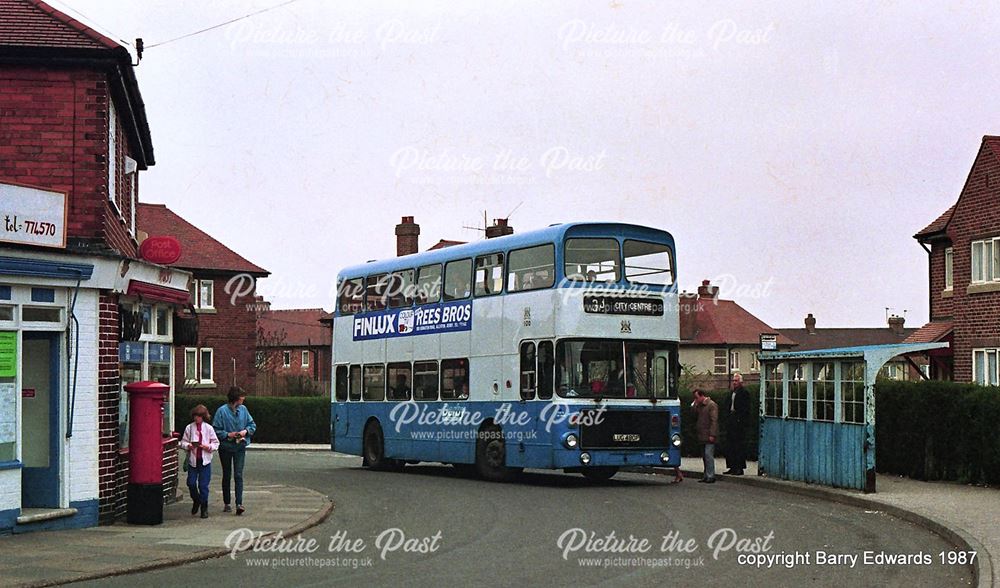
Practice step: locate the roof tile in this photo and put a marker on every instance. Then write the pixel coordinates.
(32, 23)
(722, 322)
(300, 327)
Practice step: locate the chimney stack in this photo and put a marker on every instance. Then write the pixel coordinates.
(499, 228)
(810, 324)
(896, 323)
(688, 302)
(707, 290)
(407, 237)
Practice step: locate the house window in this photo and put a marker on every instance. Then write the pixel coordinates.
(734, 360)
(948, 261)
(894, 371)
(754, 361)
(199, 366)
(719, 367)
(985, 366)
(286, 358)
(112, 155)
(985, 260)
(206, 294)
(206, 369)
(305, 359)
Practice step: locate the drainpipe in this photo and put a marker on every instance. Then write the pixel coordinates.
(75, 361)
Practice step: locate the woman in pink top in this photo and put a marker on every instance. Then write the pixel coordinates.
(200, 441)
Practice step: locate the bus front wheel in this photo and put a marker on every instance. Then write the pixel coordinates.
(374, 450)
(599, 473)
(491, 455)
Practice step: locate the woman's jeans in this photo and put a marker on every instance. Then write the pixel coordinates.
(232, 460)
(198, 479)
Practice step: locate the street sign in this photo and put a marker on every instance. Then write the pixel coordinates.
(768, 342)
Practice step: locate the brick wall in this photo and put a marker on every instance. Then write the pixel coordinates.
(54, 135)
(231, 332)
(112, 475)
(942, 306)
(977, 315)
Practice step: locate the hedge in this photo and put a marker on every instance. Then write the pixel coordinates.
(296, 419)
(938, 431)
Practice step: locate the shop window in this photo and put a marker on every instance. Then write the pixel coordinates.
(163, 321)
(41, 314)
(146, 314)
(43, 295)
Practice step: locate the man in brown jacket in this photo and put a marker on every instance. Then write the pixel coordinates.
(708, 428)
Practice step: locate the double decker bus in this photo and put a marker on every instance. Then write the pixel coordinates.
(550, 349)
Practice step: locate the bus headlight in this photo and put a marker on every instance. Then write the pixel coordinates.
(675, 440)
(570, 441)
(585, 458)
(664, 457)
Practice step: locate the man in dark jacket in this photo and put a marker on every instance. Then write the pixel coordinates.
(736, 427)
(708, 428)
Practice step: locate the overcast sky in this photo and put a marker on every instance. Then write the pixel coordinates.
(791, 151)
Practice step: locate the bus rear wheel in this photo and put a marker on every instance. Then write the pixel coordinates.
(600, 473)
(374, 449)
(491, 456)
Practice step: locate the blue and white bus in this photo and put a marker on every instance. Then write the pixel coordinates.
(551, 349)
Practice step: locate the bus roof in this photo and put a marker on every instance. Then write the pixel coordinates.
(551, 234)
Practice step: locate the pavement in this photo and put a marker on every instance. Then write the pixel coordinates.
(48, 558)
(963, 515)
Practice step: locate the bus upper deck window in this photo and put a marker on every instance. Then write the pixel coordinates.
(351, 298)
(489, 274)
(458, 279)
(592, 260)
(531, 268)
(428, 284)
(400, 289)
(647, 263)
(375, 293)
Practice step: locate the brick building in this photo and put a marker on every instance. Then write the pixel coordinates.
(294, 350)
(720, 338)
(78, 311)
(963, 253)
(223, 296)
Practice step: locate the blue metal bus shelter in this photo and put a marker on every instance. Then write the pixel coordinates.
(817, 413)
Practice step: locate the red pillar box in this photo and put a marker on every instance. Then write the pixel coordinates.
(145, 477)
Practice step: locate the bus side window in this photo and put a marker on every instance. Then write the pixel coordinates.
(425, 380)
(355, 383)
(528, 368)
(374, 382)
(341, 383)
(661, 377)
(399, 381)
(400, 290)
(489, 274)
(457, 279)
(429, 287)
(546, 369)
(375, 293)
(351, 296)
(454, 379)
